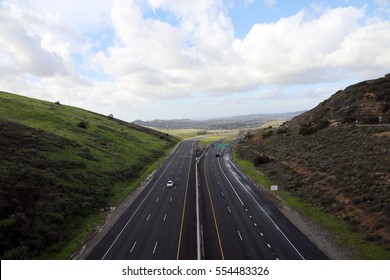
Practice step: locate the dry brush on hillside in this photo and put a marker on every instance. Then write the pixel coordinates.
(344, 170)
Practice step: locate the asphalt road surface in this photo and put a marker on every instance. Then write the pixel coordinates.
(212, 212)
(238, 222)
(159, 223)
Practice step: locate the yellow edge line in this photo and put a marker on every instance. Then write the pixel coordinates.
(182, 216)
(212, 210)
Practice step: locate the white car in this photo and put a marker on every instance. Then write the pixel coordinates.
(169, 184)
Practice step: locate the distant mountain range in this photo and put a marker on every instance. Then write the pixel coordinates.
(247, 121)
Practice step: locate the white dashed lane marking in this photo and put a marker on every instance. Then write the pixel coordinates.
(132, 248)
(239, 234)
(155, 246)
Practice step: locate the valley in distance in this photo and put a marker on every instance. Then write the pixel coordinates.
(331, 164)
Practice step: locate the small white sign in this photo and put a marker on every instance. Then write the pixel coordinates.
(274, 187)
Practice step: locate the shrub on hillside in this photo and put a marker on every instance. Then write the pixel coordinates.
(261, 159)
(83, 124)
(348, 120)
(281, 130)
(369, 120)
(248, 136)
(311, 128)
(268, 133)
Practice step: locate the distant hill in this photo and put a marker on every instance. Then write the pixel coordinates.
(367, 102)
(239, 122)
(59, 166)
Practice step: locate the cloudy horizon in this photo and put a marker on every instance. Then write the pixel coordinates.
(170, 59)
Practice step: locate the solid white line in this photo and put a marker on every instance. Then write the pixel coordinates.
(155, 246)
(277, 227)
(239, 198)
(147, 219)
(198, 233)
(139, 206)
(132, 248)
(239, 234)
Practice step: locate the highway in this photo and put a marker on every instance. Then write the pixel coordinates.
(161, 222)
(212, 212)
(238, 222)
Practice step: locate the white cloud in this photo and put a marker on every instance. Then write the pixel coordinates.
(364, 50)
(301, 49)
(247, 3)
(28, 47)
(165, 61)
(84, 15)
(382, 2)
(51, 46)
(270, 3)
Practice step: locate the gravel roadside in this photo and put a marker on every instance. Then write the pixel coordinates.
(319, 235)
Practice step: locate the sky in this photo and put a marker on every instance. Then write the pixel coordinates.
(197, 59)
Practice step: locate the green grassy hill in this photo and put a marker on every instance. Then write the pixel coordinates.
(59, 166)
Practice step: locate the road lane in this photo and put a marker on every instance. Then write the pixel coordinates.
(289, 234)
(236, 221)
(152, 226)
(210, 239)
(249, 226)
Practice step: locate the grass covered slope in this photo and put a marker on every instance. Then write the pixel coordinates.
(59, 166)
